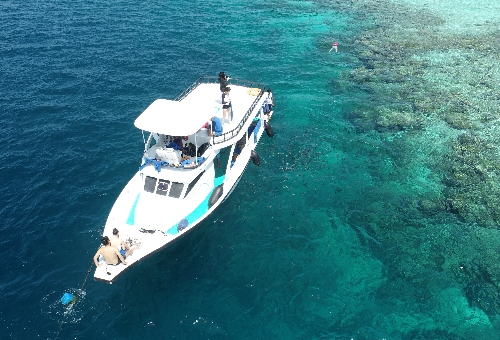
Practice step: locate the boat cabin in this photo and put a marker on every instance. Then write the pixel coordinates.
(179, 152)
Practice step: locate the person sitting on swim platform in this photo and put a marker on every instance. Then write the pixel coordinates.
(123, 247)
(110, 254)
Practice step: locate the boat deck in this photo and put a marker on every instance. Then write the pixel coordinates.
(210, 95)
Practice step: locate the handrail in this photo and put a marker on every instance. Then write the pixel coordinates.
(232, 81)
(189, 89)
(230, 134)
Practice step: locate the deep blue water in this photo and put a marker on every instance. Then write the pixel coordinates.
(326, 240)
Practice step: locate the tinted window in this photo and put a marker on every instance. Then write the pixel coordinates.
(153, 140)
(176, 189)
(150, 184)
(162, 187)
(191, 185)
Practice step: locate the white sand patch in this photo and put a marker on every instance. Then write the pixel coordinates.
(462, 16)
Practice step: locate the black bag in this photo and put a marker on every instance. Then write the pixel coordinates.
(190, 150)
(203, 148)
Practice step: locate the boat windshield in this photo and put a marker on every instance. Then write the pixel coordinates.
(176, 190)
(150, 184)
(163, 187)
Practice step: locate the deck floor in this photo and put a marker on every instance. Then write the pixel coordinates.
(211, 95)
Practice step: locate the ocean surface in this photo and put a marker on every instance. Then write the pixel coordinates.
(374, 214)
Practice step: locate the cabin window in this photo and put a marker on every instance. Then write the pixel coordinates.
(162, 187)
(176, 190)
(193, 183)
(150, 184)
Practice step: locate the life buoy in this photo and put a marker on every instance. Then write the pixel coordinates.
(253, 91)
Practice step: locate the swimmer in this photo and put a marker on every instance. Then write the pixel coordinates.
(334, 47)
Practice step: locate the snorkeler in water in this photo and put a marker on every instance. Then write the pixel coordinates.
(335, 47)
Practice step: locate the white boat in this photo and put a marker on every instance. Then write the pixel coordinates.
(174, 191)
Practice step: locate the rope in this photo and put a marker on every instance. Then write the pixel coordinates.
(81, 290)
(76, 299)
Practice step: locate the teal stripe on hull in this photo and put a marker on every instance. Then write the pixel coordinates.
(131, 216)
(200, 210)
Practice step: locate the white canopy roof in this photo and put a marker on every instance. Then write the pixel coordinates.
(175, 118)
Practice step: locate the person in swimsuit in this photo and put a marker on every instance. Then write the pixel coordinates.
(335, 47)
(110, 254)
(123, 247)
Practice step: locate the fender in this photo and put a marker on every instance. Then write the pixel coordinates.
(255, 157)
(216, 194)
(269, 129)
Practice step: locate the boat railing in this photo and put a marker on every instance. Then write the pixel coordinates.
(234, 132)
(232, 81)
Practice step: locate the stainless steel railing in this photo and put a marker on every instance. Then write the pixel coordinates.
(233, 81)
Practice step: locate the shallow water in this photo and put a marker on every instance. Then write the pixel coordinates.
(372, 216)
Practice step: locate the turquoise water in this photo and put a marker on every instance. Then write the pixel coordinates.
(374, 213)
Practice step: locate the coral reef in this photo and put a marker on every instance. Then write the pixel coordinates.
(473, 185)
(432, 96)
(417, 78)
